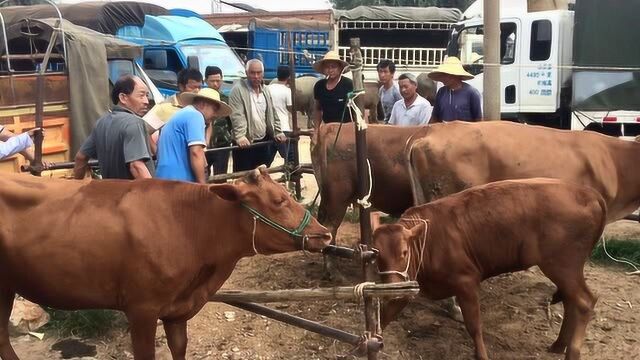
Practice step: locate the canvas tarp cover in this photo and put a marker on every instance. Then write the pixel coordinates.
(101, 16)
(278, 24)
(87, 54)
(414, 14)
(606, 39)
(606, 34)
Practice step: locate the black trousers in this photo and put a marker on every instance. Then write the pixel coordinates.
(251, 158)
(219, 160)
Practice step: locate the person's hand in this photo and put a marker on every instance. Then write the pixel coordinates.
(34, 131)
(243, 142)
(281, 138)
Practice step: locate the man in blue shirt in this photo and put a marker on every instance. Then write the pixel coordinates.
(456, 100)
(182, 140)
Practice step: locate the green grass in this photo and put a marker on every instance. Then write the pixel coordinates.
(352, 215)
(620, 249)
(84, 323)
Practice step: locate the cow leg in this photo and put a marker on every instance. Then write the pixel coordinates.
(330, 214)
(143, 335)
(6, 305)
(564, 336)
(470, 305)
(176, 338)
(585, 301)
(390, 311)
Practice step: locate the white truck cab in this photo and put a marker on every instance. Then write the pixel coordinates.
(541, 82)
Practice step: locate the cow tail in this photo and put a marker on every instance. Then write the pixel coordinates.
(416, 189)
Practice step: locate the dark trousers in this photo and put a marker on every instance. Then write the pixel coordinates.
(288, 151)
(251, 158)
(219, 160)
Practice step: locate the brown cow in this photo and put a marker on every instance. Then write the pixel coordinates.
(457, 155)
(333, 153)
(152, 249)
(450, 245)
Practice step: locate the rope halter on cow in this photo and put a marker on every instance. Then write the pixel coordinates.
(295, 233)
(405, 273)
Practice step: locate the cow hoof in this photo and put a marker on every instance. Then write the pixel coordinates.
(556, 348)
(456, 314)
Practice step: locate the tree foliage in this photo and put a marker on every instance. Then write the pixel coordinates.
(350, 4)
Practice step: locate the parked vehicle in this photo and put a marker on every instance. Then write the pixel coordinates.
(414, 38)
(559, 67)
(180, 40)
(77, 85)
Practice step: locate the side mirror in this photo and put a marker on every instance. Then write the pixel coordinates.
(193, 62)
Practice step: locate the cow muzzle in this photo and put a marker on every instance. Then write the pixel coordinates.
(404, 274)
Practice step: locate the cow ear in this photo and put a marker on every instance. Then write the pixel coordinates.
(227, 192)
(419, 230)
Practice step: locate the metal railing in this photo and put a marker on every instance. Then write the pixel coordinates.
(412, 57)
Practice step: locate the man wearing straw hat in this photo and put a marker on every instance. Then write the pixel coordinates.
(456, 100)
(330, 94)
(182, 139)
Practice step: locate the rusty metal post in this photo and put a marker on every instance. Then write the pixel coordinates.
(36, 167)
(364, 184)
(296, 176)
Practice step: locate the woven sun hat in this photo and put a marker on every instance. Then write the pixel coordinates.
(329, 56)
(452, 66)
(210, 95)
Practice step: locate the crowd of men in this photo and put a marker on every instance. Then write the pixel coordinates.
(169, 140)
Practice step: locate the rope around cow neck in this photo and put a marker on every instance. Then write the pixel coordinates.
(421, 247)
(296, 233)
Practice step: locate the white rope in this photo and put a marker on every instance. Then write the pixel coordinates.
(621, 261)
(364, 202)
(358, 290)
(253, 237)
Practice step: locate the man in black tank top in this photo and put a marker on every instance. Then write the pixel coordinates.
(330, 94)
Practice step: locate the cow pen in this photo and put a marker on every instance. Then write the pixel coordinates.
(369, 343)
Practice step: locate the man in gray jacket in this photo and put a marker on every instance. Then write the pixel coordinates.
(253, 119)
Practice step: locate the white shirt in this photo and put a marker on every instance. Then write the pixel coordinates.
(281, 96)
(258, 114)
(418, 113)
(14, 144)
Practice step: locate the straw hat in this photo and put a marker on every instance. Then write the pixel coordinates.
(210, 95)
(452, 66)
(329, 56)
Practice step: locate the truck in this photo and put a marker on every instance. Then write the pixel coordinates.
(268, 39)
(171, 39)
(563, 64)
(76, 70)
(414, 38)
(179, 40)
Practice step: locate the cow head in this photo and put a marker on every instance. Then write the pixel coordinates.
(398, 253)
(277, 222)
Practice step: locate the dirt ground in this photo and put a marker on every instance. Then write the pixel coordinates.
(516, 319)
(517, 322)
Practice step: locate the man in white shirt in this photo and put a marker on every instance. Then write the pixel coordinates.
(389, 92)
(413, 109)
(281, 96)
(11, 144)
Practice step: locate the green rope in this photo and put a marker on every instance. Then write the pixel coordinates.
(297, 232)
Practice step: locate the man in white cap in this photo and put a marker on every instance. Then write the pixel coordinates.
(182, 139)
(456, 100)
(330, 94)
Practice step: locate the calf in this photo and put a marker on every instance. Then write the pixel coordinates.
(450, 245)
(150, 248)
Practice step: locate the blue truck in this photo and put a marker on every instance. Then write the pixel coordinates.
(180, 40)
(268, 40)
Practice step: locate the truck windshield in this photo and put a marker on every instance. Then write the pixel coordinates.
(470, 45)
(606, 90)
(220, 56)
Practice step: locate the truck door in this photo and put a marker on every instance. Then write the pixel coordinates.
(540, 70)
(470, 45)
